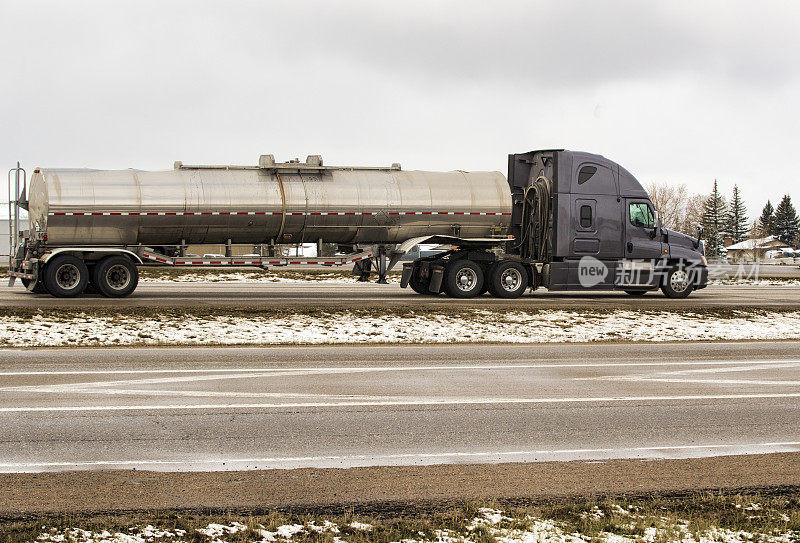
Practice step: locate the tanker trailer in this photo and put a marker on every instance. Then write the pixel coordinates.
(96, 226)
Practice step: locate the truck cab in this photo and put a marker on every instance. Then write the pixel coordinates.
(589, 224)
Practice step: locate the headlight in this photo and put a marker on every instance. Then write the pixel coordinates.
(705, 260)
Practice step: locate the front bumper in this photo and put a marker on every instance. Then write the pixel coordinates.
(700, 277)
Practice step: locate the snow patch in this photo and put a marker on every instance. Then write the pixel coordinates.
(489, 521)
(348, 327)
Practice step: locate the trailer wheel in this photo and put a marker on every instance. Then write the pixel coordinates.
(65, 276)
(37, 287)
(115, 276)
(463, 279)
(677, 283)
(507, 279)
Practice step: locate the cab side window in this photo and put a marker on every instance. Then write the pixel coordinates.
(641, 215)
(586, 173)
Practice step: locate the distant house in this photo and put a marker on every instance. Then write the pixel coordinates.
(754, 249)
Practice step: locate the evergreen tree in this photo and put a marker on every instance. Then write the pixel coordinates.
(714, 222)
(767, 220)
(738, 225)
(787, 223)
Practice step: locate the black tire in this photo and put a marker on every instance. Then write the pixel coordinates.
(636, 292)
(507, 279)
(463, 279)
(115, 276)
(419, 285)
(37, 287)
(677, 283)
(65, 276)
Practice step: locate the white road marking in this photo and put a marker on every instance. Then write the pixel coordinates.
(707, 381)
(396, 403)
(615, 452)
(346, 369)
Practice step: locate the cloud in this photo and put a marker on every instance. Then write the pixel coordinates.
(676, 90)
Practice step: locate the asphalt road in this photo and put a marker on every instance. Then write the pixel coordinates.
(382, 296)
(174, 409)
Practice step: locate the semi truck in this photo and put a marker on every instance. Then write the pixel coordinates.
(562, 220)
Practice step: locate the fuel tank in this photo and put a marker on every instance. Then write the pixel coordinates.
(290, 202)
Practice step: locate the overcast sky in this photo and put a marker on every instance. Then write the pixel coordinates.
(674, 91)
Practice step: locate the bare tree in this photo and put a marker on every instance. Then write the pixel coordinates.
(692, 214)
(679, 210)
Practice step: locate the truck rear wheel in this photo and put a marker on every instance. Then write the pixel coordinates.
(507, 279)
(463, 279)
(677, 283)
(65, 276)
(115, 276)
(419, 285)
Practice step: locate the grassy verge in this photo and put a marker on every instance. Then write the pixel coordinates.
(692, 517)
(466, 313)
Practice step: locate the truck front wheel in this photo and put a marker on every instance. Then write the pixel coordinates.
(65, 276)
(115, 276)
(677, 283)
(507, 279)
(463, 279)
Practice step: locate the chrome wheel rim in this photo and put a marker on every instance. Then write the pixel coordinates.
(510, 279)
(118, 277)
(466, 279)
(68, 276)
(679, 280)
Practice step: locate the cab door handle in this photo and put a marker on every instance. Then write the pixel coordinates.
(630, 247)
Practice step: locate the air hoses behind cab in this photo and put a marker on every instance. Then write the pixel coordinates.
(536, 221)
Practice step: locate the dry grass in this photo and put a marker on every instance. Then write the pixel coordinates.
(694, 514)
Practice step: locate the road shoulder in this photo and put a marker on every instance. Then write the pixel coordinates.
(91, 491)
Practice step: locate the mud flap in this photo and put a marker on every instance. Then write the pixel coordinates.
(408, 269)
(437, 276)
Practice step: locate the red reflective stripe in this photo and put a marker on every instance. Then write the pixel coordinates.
(290, 213)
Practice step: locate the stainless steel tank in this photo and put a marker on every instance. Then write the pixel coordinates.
(289, 203)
